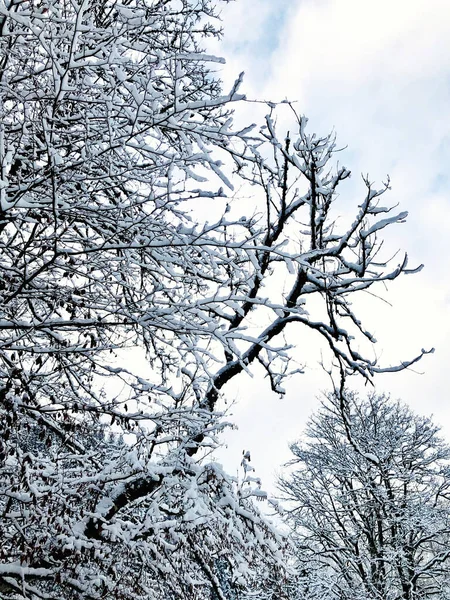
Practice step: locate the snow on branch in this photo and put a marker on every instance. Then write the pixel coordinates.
(131, 295)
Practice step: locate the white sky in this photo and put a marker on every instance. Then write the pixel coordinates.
(378, 72)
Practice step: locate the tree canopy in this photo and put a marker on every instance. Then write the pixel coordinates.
(125, 310)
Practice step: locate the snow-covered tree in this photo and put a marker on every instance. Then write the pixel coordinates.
(125, 308)
(370, 503)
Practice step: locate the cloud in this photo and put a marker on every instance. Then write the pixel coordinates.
(350, 41)
(377, 71)
(255, 26)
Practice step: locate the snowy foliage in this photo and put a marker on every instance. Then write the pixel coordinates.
(124, 312)
(370, 512)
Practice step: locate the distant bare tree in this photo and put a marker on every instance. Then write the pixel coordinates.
(370, 513)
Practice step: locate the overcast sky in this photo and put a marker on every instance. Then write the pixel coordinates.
(378, 72)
